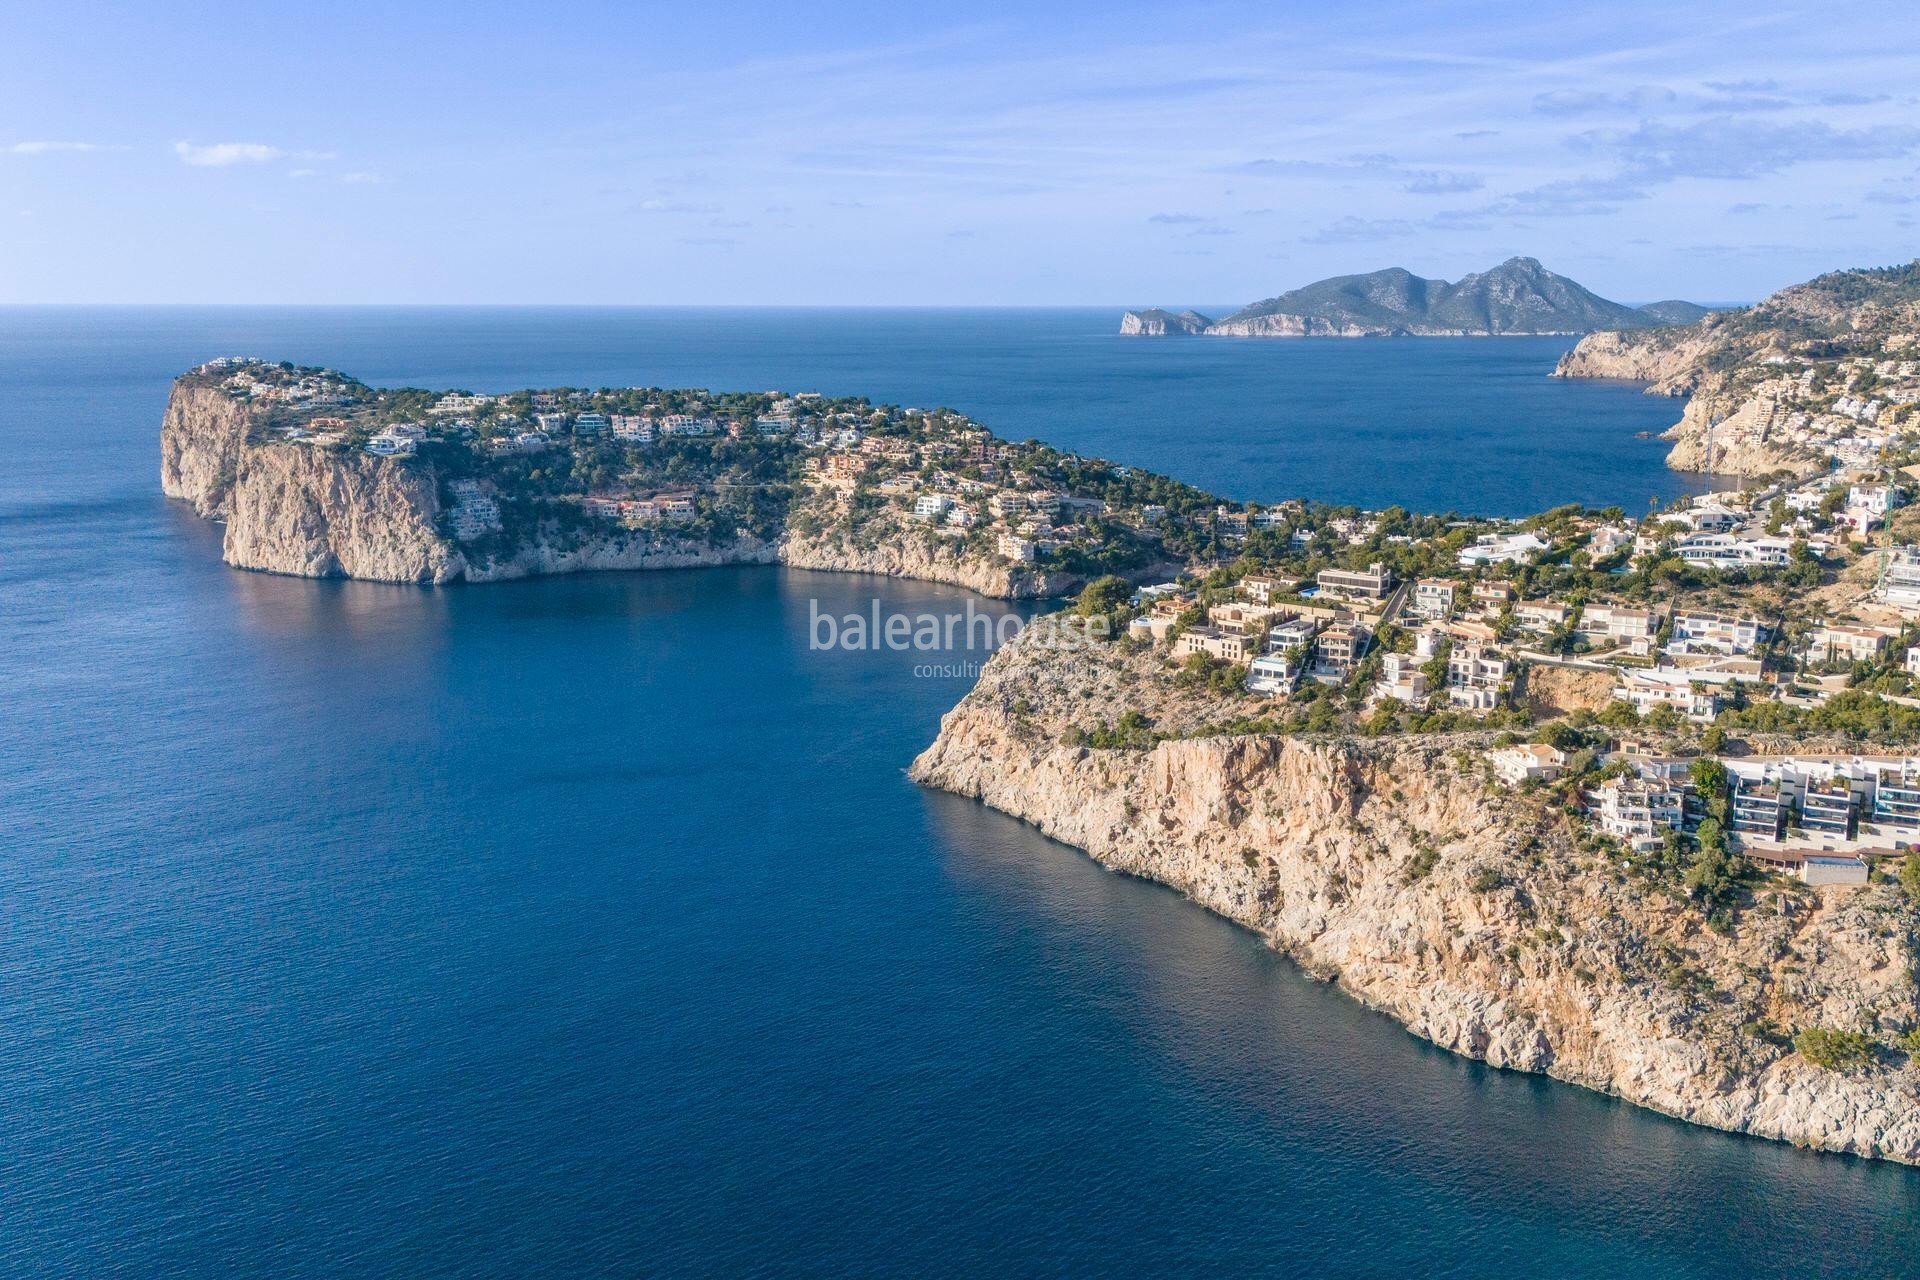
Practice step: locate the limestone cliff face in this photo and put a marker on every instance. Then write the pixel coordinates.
(616, 553)
(201, 439)
(1749, 441)
(319, 512)
(1749, 438)
(299, 510)
(1392, 869)
(1291, 326)
(1156, 322)
(324, 514)
(1668, 360)
(822, 538)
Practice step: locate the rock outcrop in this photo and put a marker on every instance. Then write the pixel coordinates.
(1748, 440)
(1668, 361)
(201, 440)
(1474, 918)
(894, 550)
(326, 514)
(1157, 323)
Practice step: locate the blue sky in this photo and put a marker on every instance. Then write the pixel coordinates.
(1104, 153)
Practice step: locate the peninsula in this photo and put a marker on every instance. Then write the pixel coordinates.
(1628, 802)
(317, 474)
(1517, 297)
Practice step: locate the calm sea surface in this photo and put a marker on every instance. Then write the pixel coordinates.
(588, 925)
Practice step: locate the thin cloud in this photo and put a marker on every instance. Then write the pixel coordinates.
(1431, 183)
(41, 148)
(1585, 102)
(1176, 219)
(1723, 147)
(360, 179)
(220, 155)
(675, 206)
(1570, 197)
(1352, 230)
(1271, 168)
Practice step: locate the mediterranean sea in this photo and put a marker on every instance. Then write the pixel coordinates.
(588, 925)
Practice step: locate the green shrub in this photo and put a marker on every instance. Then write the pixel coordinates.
(1835, 1050)
(1421, 864)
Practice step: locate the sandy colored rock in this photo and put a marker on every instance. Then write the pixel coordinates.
(1370, 861)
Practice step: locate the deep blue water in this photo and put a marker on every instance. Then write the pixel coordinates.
(1434, 424)
(588, 926)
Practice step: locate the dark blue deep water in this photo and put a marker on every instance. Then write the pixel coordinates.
(588, 926)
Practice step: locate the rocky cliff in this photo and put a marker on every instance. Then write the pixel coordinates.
(822, 537)
(1668, 361)
(201, 440)
(1155, 322)
(1749, 438)
(325, 514)
(1294, 326)
(298, 510)
(308, 511)
(1477, 919)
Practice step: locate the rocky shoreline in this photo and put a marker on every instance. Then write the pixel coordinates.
(1392, 869)
(1674, 363)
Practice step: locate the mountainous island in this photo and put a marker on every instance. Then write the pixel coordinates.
(1517, 297)
(1632, 803)
(1815, 374)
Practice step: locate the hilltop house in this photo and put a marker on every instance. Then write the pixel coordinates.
(1370, 583)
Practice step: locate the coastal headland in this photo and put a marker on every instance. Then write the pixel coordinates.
(1815, 375)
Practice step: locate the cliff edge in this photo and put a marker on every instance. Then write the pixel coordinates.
(1475, 918)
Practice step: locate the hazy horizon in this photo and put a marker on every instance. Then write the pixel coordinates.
(860, 154)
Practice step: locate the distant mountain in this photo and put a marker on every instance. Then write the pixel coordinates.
(1674, 311)
(1518, 296)
(1156, 323)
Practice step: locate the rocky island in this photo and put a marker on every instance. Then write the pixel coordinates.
(1156, 323)
(1517, 297)
(1815, 374)
(1629, 802)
